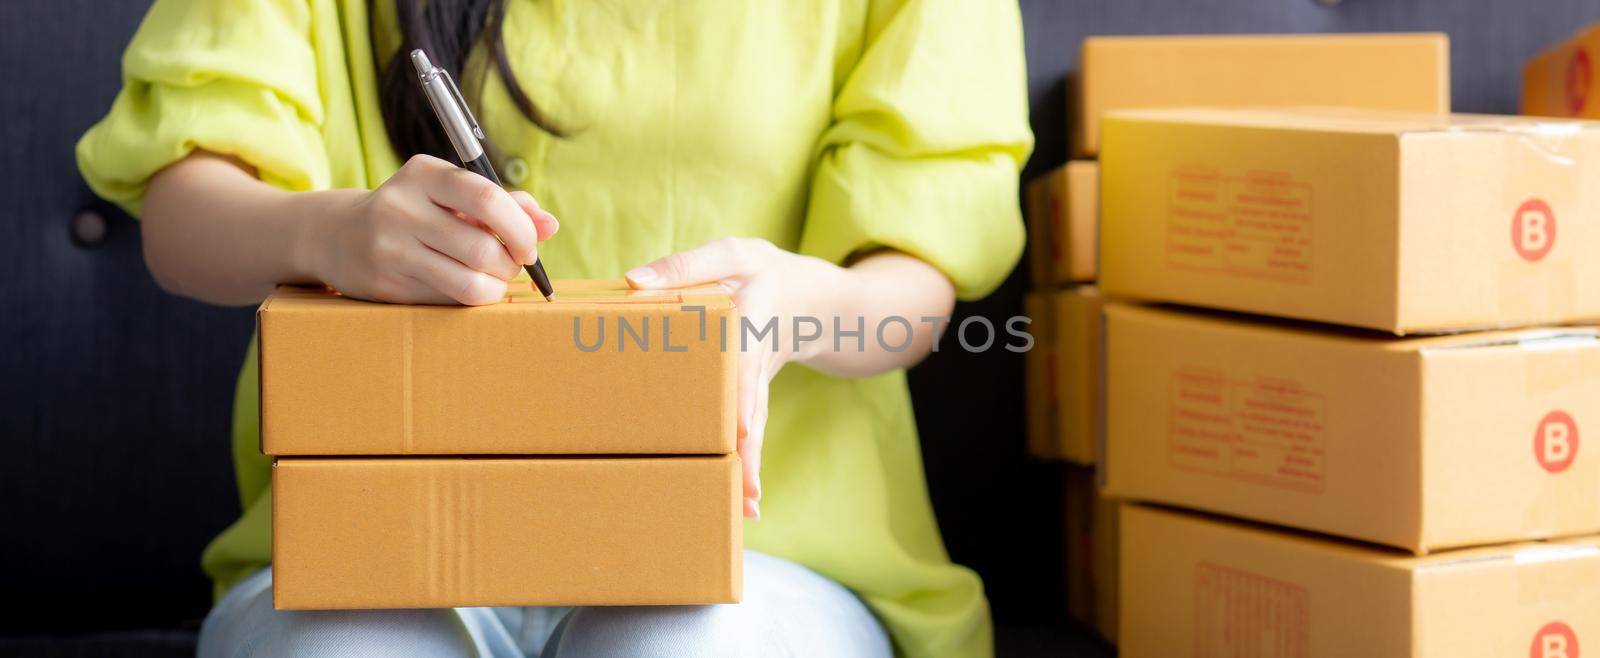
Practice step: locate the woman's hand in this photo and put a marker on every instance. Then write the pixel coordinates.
(767, 284)
(427, 236)
(876, 311)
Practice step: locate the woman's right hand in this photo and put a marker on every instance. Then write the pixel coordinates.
(427, 236)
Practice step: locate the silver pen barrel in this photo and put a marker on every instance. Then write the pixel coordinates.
(447, 102)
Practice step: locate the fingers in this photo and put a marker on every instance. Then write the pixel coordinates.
(753, 388)
(468, 244)
(753, 447)
(749, 382)
(475, 196)
(714, 261)
(750, 460)
(749, 375)
(543, 222)
(451, 279)
(402, 289)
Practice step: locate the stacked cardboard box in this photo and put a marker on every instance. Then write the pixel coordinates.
(1403, 223)
(1063, 212)
(1397, 72)
(1345, 234)
(1066, 371)
(1064, 374)
(1091, 551)
(574, 452)
(1422, 443)
(1561, 81)
(1403, 72)
(1204, 586)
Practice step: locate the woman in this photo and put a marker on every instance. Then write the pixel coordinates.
(833, 158)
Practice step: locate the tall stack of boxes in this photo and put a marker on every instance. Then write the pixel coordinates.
(575, 452)
(1363, 369)
(1063, 376)
(1067, 369)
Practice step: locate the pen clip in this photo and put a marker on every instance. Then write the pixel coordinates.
(455, 92)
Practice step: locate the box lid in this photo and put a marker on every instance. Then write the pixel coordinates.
(602, 369)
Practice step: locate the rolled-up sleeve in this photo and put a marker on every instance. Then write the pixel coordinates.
(929, 132)
(236, 77)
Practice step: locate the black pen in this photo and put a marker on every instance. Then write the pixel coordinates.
(467, 138)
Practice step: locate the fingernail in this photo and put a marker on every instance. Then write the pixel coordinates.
(545, 230)
(753, 508)
(641, 275)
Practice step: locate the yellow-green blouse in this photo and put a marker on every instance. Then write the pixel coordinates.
(824, 126)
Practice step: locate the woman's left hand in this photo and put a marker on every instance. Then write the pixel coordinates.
(768, 285)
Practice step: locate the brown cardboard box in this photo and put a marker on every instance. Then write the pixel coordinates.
(1420, 443)
(1196, 586)
(1561, 81)
(1091, 526)
(1080, 363)
(1405, 223)
(1039, 372)
(1399, 72)
(1065, 370)
(1063, 224)
(448, 531)
(602, 370)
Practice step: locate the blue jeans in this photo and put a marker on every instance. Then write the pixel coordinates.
(788, 610)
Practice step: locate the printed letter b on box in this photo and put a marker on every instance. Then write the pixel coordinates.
(1555, 441)
(1533, 230)
(1554, 640)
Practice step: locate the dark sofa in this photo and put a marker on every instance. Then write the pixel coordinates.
(114, 397)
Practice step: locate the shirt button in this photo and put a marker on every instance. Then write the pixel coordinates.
(516, 171)
(89, 228)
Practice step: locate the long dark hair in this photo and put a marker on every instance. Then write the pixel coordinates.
(447, 30)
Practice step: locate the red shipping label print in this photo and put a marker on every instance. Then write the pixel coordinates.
(1238, 613)
(1555, 441)
(1257, 225)
(1580, 76)
(1533, 230)
(1263, 430)
(1554, 640)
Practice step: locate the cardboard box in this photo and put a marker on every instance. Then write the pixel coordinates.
(1405, 223)
(601, 370)
(1065, 369)
(449, 531)
(1064, 224)
(1420, 443)
(1398, 72)
(1197, 586)
(1039, 372)
(1091, 526)
(1561, 82)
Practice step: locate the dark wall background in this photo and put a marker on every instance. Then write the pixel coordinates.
(114, 398)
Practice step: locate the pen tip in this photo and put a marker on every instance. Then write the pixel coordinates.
(550, 297)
